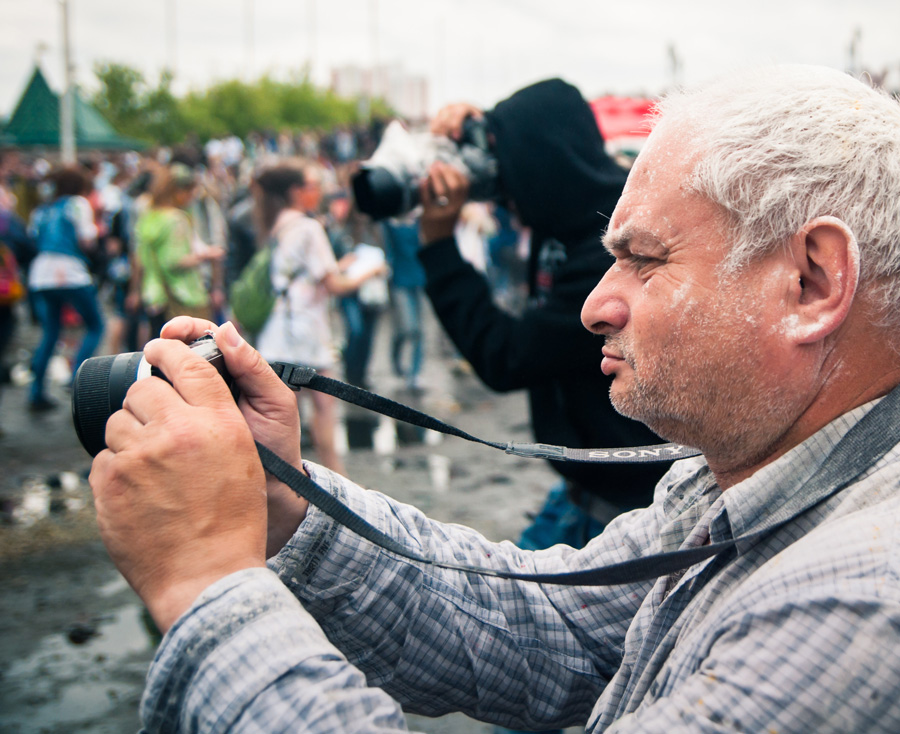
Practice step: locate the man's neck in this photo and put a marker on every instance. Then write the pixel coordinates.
(837, 399)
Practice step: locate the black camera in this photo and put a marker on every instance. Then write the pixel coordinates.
(387, 185)
(100, 384)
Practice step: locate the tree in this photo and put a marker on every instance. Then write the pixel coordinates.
(230, 107)
(120, 97)
(163, 116)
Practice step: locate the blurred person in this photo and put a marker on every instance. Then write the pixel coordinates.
(169, 261)
(65, 233)
(752, 312)
(208, 222)
(210, 229)
(118, 277)
(505, 268)
(345, 145)
(306, 273)
(9, 165)
(359, 318)
(138, 203)
(127, 318)
(557, 178)
(242, 235)
(96, 169)
(407, 283)
(285, 144)
(309, 144)
(16, 252)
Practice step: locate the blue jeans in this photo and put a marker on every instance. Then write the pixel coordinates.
(48, 306)
(359, 322)
(406, 305)
(559, 521)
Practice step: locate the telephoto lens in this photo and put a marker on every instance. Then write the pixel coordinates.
(100, 384)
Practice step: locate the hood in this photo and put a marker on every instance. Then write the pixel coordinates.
(552, 161)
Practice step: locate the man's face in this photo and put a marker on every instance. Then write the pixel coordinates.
(696, 355)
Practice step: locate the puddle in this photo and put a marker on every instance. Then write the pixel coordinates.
(41, 497)
(64, 683)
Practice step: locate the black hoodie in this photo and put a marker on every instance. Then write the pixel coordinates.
(554, 169)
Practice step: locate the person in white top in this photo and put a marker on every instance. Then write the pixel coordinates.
(306, 274)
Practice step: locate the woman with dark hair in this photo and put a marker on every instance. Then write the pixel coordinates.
(64, 232)
(306, 273)
(170, 280)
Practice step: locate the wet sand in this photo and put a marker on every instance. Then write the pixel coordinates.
(74, 639)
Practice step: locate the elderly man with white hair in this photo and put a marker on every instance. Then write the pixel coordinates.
(751, 313)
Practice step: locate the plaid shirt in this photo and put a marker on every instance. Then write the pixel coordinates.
(797, 633)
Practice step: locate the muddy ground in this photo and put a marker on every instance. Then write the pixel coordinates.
(75, 643)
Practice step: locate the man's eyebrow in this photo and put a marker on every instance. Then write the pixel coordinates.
(621, 242)
(617, 242)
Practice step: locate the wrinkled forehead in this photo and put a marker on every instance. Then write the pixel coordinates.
(661, 203)
(661, 176)
(670, 152)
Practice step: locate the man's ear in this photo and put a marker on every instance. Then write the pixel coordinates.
(826, 263)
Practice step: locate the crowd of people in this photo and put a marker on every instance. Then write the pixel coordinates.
(111, 248)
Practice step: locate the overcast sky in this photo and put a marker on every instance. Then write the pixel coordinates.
(473, 50)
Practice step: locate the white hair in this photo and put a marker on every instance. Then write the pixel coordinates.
(779, 146)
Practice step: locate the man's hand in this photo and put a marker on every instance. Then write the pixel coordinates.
(180, 493)
(270, 409)
(443, 194)
(449, 121)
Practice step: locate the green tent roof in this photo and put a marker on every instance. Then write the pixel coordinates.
(35, 121)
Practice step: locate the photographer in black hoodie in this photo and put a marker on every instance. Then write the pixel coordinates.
(560, 182)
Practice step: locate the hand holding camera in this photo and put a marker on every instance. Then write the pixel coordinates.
(443, 195)
(450, 120)
(270, 410)
(180, 493)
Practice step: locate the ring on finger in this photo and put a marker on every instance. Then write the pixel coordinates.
(441, 200)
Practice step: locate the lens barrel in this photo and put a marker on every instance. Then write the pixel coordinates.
(100, 384)
(379, 194)
(98, 391)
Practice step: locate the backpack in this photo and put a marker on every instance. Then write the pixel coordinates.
(11, 287)
(252, 296)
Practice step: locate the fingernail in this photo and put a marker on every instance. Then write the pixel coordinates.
(232, 337)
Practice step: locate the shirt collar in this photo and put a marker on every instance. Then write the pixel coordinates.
(780, 485)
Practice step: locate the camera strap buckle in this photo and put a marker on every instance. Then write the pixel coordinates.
(295, 376)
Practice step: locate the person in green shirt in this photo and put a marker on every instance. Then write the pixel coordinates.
(168, 255)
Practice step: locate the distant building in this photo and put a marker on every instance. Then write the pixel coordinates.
(406, 93)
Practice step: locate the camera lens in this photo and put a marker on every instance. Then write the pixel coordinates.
(379, 194)
(98, 391)
(100, 384)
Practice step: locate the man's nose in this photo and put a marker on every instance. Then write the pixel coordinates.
(605, 310)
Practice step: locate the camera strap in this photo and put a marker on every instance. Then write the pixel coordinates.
(864, 444)
(297, 376)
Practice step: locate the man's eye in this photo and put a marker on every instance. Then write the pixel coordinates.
(640, 262)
